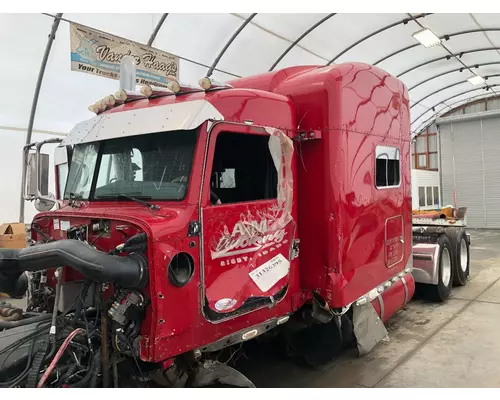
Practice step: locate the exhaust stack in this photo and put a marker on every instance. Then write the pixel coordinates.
(127, 73)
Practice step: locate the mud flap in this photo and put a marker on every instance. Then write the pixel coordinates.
(214, 372)
(368, 328)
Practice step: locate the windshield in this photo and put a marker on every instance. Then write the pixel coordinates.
(83, 164)
(154, 166)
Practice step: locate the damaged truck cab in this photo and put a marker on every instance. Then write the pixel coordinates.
(208, 217)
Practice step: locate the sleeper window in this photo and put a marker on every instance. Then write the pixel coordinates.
(387, 166)
(243, 169)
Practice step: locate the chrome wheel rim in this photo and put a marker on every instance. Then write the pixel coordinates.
(463, 255)
(446, 267)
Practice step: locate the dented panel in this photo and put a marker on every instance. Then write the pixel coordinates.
(248, 246)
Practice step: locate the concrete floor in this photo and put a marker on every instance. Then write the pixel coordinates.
(455, 344)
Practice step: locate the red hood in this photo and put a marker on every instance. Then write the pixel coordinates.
(169, 219)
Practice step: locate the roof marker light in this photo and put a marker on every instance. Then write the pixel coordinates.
(109, 101)
(175, 86)
(149, 91)
(124, 95)
(208, 84)
(427, 38)
(476, 80)
(100, 106)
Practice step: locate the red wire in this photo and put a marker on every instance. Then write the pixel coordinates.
(58, 355)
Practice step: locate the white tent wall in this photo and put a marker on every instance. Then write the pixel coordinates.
(11, 152)
(198, 39)
(66, 94)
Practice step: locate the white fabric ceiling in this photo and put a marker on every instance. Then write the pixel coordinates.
(199, 38)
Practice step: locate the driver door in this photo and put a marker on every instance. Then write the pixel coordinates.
(247, 238)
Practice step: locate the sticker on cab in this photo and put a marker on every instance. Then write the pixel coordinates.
(269, 273)
(65, 225)
(225, 304)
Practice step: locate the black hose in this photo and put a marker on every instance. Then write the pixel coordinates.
(14, 284)
(81, 300)
(65, 378)
(95, 375)
(27, 321)
(94, 365)
(129, 271)
(136, 362)
(37, 364)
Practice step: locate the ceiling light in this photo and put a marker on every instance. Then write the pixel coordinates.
(476, 80)
(426, 37)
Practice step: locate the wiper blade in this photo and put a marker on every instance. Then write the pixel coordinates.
(138, 199)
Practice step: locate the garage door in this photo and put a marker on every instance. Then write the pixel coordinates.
(470, 165)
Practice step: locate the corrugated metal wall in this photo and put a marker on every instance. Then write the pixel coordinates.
(491, 146)
(470, 164)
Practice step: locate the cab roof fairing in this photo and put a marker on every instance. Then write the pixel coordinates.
(163, 118)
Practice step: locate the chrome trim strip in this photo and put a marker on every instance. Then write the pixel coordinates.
(377, 291)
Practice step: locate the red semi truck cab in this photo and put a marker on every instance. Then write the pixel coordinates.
(280, 192)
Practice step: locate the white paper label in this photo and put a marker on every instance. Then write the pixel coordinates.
(65, 225)
(56, 224)
(269, 273)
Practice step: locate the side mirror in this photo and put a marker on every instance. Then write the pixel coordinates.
(43, 181)
(37, 176)
(31, 175)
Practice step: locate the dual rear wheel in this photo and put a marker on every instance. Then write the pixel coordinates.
(453, 265)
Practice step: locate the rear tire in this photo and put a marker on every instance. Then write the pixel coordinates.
(442, 290)
(461, 268)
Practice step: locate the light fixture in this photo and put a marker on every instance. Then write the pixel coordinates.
(426, 37)
(125, 95)
(250, 334)
(174, 86)
(177, 87)
(476, 80)
(100, 106)
(149, 91)
(208, 83)
(109, 101)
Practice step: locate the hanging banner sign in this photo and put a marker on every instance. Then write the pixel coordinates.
(99, 53)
